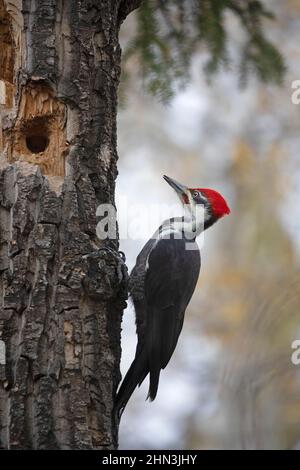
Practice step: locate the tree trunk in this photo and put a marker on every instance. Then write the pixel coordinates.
(60, 311)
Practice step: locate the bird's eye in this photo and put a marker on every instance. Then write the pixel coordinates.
(195, 194)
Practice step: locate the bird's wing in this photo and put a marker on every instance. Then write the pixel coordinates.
(137, 292)
(170, 281)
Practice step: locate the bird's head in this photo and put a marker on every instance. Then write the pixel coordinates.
(212, 202)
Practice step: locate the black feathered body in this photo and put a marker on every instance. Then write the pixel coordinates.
(161, 286)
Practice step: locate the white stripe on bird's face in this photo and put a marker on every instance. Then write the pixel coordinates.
(189, 226)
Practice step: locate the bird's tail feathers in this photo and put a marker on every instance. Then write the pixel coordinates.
(154, 381)
(134, 377)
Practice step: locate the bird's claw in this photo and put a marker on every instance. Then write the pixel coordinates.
(119, 254)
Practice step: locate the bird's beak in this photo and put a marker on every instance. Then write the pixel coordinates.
(180, 189)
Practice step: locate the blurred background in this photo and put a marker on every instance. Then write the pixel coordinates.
(231, 382)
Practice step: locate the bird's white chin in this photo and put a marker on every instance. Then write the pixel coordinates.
(194, 219)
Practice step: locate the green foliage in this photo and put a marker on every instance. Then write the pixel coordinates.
(169, 32)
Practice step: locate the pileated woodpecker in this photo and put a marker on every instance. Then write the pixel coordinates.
(162, 283)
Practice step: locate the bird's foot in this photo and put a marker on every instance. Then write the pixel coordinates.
(120, 254)
(115, 253)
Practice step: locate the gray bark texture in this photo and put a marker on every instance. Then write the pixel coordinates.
(60, 310)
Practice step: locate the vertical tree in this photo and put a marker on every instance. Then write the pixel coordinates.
(60, 309)
(62, 291)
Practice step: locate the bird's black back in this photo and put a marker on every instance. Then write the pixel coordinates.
(169, 285)
(161, 286)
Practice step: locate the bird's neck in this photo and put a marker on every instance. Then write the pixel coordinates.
(189, 226)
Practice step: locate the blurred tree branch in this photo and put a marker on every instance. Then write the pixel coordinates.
(170, 32)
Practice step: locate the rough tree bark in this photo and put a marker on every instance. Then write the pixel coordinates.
(60, 312)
